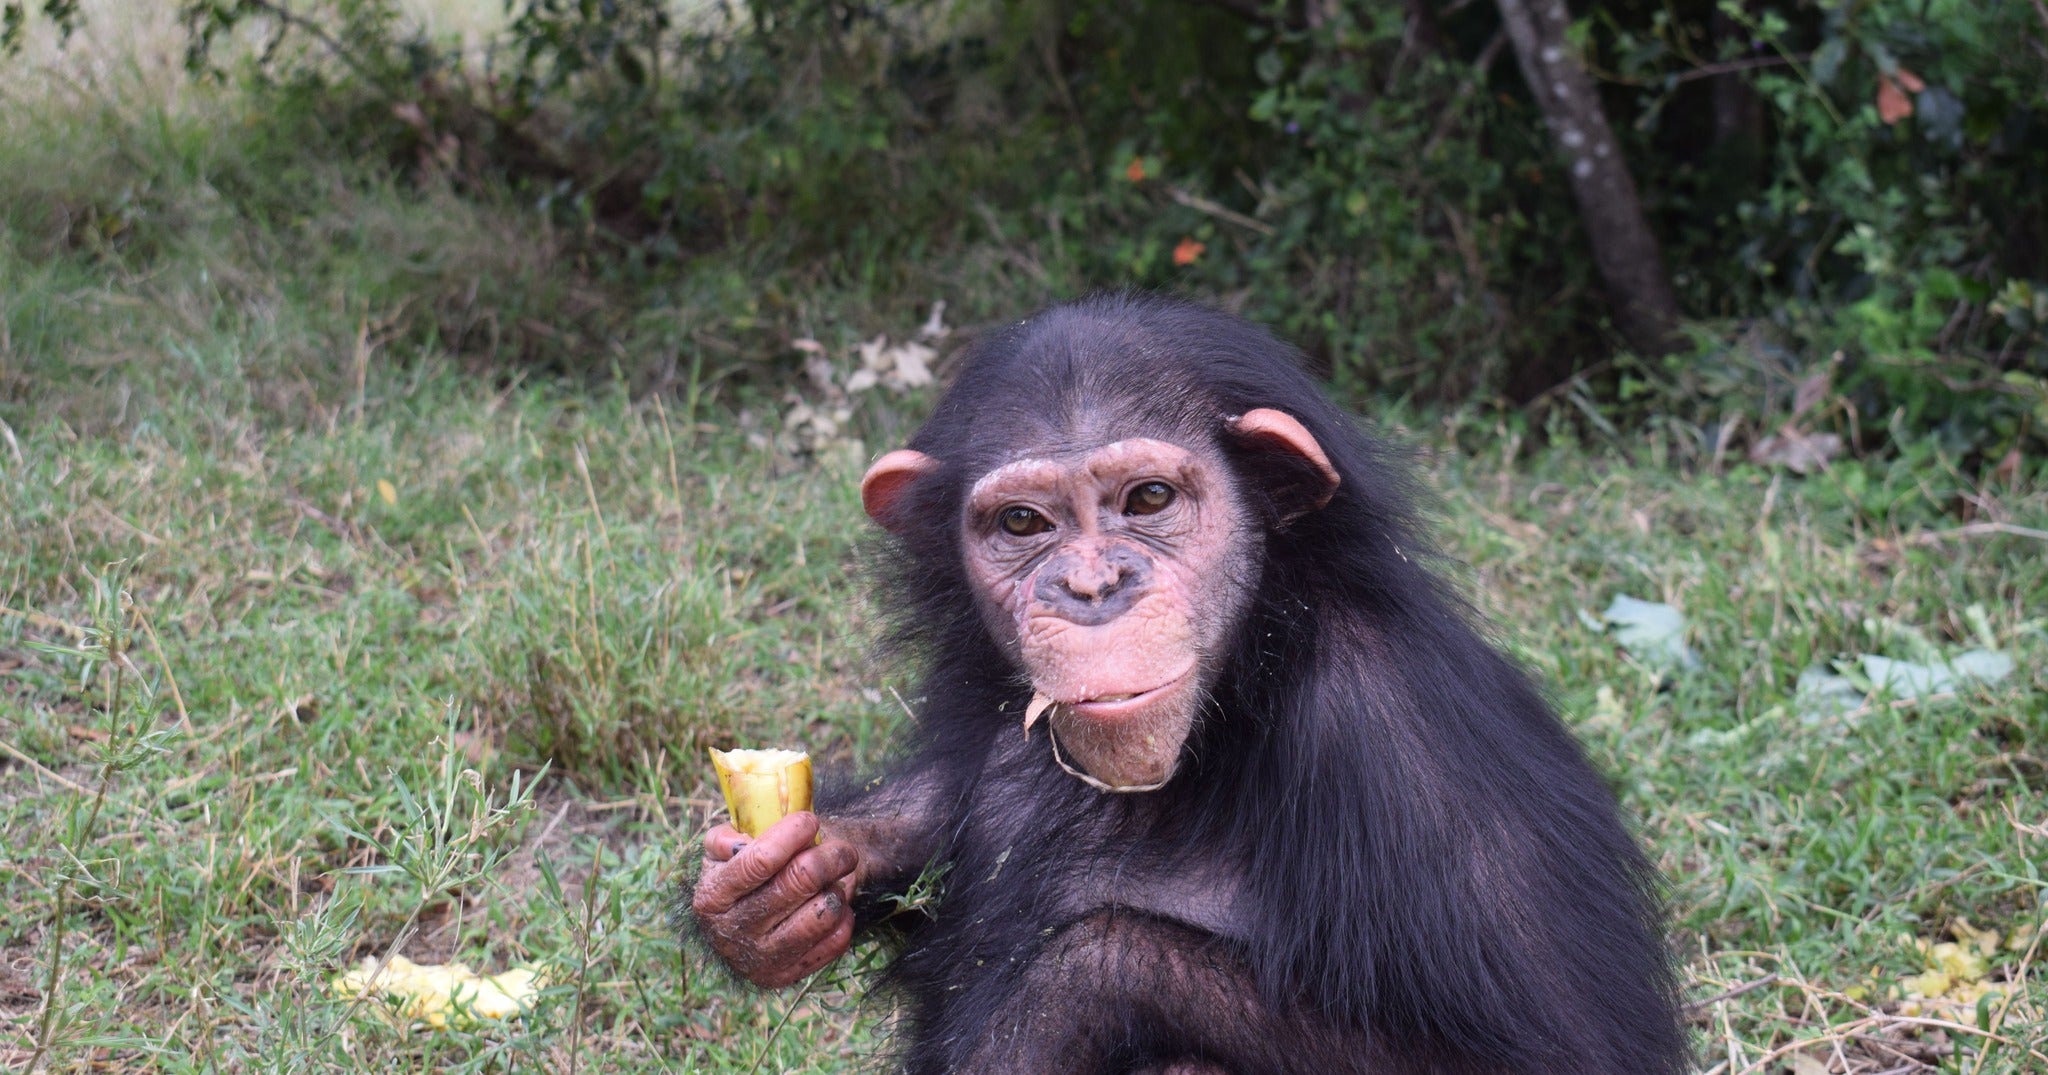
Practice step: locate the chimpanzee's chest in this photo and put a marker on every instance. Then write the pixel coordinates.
(1034, 842)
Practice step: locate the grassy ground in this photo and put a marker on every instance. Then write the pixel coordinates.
(299, 595)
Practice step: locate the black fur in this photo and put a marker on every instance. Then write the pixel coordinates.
(1420, 871)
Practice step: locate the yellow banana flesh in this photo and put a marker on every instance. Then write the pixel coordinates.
(761, 786)
(442, 995)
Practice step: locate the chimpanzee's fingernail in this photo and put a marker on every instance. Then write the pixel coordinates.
(739, 847)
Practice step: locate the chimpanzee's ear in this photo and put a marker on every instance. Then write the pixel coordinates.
(883, 488)
(1264, 429)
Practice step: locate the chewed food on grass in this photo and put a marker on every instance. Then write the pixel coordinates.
(1959, 974)
(441, 995)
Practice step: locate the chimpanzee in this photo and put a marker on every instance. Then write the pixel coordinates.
(1286, 809)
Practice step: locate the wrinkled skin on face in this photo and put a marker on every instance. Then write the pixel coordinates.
(1112, 573)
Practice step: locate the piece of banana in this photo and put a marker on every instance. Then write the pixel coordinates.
(761, 786)
(442, 995)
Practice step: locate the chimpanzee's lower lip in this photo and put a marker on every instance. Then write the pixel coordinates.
(1112, 706)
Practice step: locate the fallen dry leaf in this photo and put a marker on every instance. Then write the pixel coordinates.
(1892, 103)
(1796, 450)
(1039, 704)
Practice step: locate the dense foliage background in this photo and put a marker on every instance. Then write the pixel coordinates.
(1849, 188)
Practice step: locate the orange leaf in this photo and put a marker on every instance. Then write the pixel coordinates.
(1892, 104)
(1187, 252)
(1911, 81)
(1136, 171)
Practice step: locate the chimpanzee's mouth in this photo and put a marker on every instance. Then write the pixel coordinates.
(1122, 697)
(1116, 704)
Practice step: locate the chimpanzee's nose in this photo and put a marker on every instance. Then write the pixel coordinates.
(1090, 587)
(1095, 581)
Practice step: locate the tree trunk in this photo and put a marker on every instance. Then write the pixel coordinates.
(1422, 26)
(1738, 111)
(1630, 262)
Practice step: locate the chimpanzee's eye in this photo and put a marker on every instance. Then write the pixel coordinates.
(1149, 498)
(1023, 522)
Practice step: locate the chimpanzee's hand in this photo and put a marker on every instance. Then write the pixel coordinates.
(776, 908)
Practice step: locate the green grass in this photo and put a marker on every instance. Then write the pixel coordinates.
(241, 686)
(303, 652)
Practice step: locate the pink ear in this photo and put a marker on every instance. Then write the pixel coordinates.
(1277, 431)
(882, 489)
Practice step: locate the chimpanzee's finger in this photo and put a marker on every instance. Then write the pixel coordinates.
(815, 871)
(722, 841)
(741, 872)
(819, 932)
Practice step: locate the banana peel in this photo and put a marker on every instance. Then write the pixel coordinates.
(763, 786)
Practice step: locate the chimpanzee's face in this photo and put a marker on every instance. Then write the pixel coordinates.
(1114, 574)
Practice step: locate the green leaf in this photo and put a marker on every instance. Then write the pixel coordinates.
(1265, 105)
(1269, 66)
(1651, 631)
(1827, 61)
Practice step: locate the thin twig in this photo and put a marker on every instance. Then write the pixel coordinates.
(337, 527)
(136, 809)
(590, 492)
(42, 769)
(362, 366)
(1448, 116)
(1857, 1030)
(1936, 537)
(1853, 715)
(147, 537)
(1204, 205)
(782, 1022)
(59, 903)
(1048, 54)
(76, 632)
(319, 33)
(1732, 66)
(1700, 1006)
(156, 646)
(589, 926)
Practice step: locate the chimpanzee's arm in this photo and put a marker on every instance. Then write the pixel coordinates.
(1122, 990)
(894, 822)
